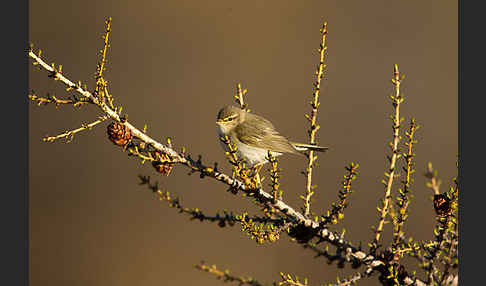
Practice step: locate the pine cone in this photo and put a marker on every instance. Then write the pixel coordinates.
(163, 165)
(119, 133)
(442, 205)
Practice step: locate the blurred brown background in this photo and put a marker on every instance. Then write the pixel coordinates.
(172, 65)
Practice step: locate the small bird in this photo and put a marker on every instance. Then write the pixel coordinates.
(254, 136)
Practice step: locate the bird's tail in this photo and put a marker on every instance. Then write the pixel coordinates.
(306, 147)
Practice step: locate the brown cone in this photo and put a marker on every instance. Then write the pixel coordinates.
(118, 133)
(442, 205)
(162, 166)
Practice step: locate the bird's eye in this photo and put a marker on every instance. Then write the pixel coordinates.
(229, 119)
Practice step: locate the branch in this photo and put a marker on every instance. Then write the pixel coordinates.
(403, 200)
(228, 218)
(240, 93)
(288, 280)
(57, 102)
(226, 276)
(340, 256)
(299, 222)
(434, 183)
(101, 89)
(451, 260)
(69, 135)
(274, 175)
(294, 216)
(397, 98)
(336, 212)
(350, 281)
(445, 231)
(312, 119)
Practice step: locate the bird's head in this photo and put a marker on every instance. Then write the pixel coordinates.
(229, 117)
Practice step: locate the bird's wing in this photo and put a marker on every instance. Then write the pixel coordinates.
(258, 132)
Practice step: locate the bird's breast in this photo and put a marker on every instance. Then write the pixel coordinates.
(252, 155)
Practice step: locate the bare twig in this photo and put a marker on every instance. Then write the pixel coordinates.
(313, 121)
(445, 232)
(350, 281)
(434, 183)
(274, 175)
(336, 212)
(240, 93)
(397, 98)
(225, 276)
(101, 89)
(226, 219)
(58, 102)
(451, 258)
(69, 135)
(403, 200)
(101, 65)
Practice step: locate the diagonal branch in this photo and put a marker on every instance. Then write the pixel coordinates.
(294, 216)
(69, 135)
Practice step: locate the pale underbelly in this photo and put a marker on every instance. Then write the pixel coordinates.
(251, 155)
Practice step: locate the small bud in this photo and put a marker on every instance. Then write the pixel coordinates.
(272, 237)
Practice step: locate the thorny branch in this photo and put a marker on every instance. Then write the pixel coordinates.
(101, 90)
(313, 122)
(403, 199)
(445, 232)
(240, 93)
(451, 258)
(69, 135)
(57, 102)
(336, 212)
(288, 280)
(227, 219)
(390, 175)
(274, 175)
(225, 276)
